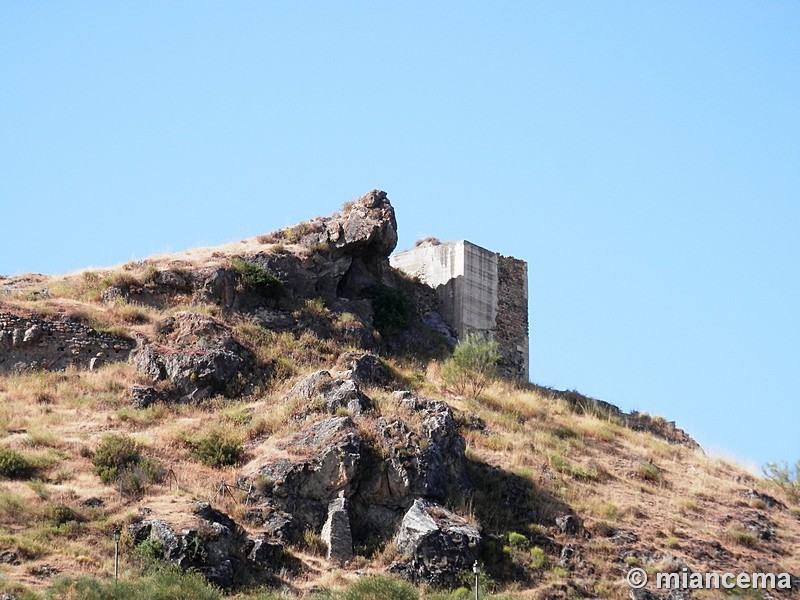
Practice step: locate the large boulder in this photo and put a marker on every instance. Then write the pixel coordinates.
(365, 369)
(198, 355)
(336, 532)
(349, 250)
(320, 391)
(325, 464)
(438, 545)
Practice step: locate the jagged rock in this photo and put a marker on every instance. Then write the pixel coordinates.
(266, 552)
(172, 280)
(303, 487)
(217, 546)
(435, 322)
(309, 387)
(566, 557)
(365, 369)
(760, 525)
(623, 537)
(9, 558)
(351, 250)
(761, 497)
(346, 394)
(439, 545)
(443, 458)
(357, 334)
(336, 532)
(143, 396)
(568, 524)
(200, 358)
(43, 571)
(32, 335)
(334, 393)
(92, 502)
(219, 287)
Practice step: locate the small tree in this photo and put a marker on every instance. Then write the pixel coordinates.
(473, 365)
(785, 477)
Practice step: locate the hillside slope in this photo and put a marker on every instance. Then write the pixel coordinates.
(271, 416)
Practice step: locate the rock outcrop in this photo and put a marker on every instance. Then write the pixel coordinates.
(321, 390)
(439, 545)
(336, 532)
(198, 356)
(215, 545)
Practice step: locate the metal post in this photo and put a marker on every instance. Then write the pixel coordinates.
(476, 569)
(116, 555)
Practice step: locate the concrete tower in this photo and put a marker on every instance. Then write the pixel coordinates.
(478, 291)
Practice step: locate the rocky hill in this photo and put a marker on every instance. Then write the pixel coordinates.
(270, 417)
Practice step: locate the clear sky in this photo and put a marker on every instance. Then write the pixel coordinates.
(643, 157)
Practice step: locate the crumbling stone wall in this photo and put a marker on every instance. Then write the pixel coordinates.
(37, 343)
(511, 325)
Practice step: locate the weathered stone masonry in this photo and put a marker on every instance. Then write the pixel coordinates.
(477, 291)
(35, 343)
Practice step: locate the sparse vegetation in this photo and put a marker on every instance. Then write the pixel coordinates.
(390, 307)
(785, 477)
(217, 449)
(114, 454)
(258, 279)
(532, 455)
(472, 366)
(380, 588)
(14, 465)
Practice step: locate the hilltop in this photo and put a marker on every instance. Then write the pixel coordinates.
(273, 416)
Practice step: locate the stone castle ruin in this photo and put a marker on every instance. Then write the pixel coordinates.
(477, 291)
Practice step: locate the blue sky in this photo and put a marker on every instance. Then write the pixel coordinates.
(643, 157)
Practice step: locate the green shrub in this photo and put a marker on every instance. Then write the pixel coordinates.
(649, 472)
(217, 449)
(14, 465)
(115, 453)
(538, 559)
(258, 279)
(149, 551)
(517, 540)
(786, 478)
(741, 537)
(472, 366)
(389, 308)
(380, 587)
(61, 514)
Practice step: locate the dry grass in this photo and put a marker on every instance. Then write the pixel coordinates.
(673, 498)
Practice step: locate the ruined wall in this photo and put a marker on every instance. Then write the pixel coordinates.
(35, 343)
(478, 291)
(511, 327)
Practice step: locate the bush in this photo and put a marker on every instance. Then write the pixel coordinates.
(517, 540)
(389, 308)
(14, 465)
(217, 449)
(380, 588)
(115, 453)
(258, 279)
(786, 478)
(538, 559)
(472, 366)
(61, 514)
(648, 472)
